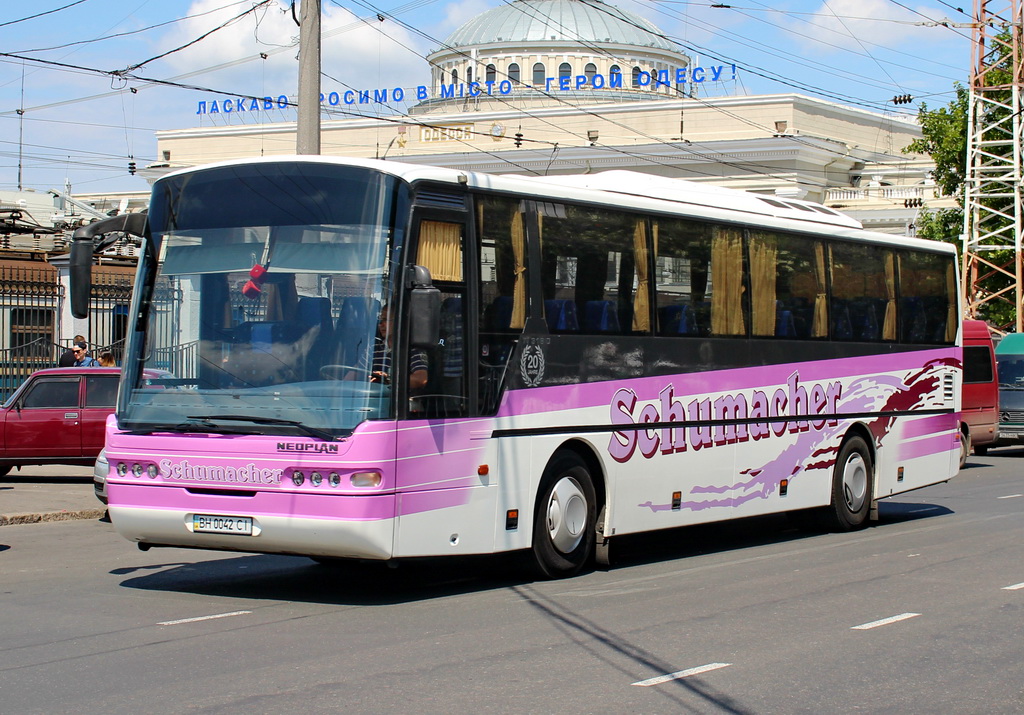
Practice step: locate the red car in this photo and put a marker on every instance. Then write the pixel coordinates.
(58, 416)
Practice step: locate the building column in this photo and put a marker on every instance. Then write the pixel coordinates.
(67, 326)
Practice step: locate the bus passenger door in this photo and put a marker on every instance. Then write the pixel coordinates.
(444, 505)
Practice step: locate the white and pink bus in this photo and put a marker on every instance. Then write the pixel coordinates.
(370, 360)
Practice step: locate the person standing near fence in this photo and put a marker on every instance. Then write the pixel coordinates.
(83, 358)
(68, 357)
(107, 359)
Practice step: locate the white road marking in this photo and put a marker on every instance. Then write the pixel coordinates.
(884, 622)
(1011, 496)
(202, 618)
(1014, 587)
(681, 674)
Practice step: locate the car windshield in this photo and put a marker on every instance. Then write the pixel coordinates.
(258, 301)
(1011, 371)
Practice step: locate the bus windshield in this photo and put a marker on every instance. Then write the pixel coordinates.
(260, 295)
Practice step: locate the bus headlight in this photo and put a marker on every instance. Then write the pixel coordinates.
(316, 478)
(122, 469)
(366, 479)
(153, 471)
(298, 478)
(137, 469)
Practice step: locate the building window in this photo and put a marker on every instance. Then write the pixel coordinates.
(455, 76)
(32, 331)
(492, 73)
(636, 77)
(590, 71)
(513, 72)
(564, 70)
(469, 75)
(615, 70)
(539, 74)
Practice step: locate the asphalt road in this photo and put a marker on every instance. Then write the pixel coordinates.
(921, 613)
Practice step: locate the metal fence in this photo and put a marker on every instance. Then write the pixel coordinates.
(30, 300)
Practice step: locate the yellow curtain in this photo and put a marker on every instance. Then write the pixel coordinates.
(764, 251)
(519, 287)
(440, 250)
(889, 326)
(641, 301)
(951, 296)
(819, 328)
(727, 281)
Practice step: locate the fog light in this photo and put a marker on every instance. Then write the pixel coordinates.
(316, 478)
(153, 471)
(334, 478)
(122, 469)
(298, 478)
(137, 469)
(366, 479)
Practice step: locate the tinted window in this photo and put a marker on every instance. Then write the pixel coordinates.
(52, 393)
(588, 270)
(700, 279)
(100, 390)
(863, 301)
(927, 289)
(977, 364)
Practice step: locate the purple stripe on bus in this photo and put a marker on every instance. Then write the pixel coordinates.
(519, 402)
(928, 425)
(418, 502)
(940, 444)
(320, 505)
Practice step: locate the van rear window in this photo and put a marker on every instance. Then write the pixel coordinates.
(977, 364)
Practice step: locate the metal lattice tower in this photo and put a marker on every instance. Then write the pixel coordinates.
(992, 268)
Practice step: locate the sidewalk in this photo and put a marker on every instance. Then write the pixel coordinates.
(50, 493)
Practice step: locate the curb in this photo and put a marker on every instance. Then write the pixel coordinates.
(64, 515)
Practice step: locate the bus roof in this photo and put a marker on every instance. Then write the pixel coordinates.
(647, 191)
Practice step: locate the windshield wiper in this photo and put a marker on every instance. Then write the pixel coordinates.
(305, 429)
(192, 424)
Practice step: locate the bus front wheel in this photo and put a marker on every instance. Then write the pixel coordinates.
(564, 517)
(851, 486)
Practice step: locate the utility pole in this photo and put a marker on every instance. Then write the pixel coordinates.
(307, 134)
(992, 187)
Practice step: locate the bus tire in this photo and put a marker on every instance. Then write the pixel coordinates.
(965, 446)
(564, 517)
(851, 486)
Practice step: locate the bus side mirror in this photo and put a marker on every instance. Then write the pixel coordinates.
(90, 239)
(80, 273)
(424, 309)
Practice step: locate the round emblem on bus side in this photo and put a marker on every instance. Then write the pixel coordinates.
(531, 365)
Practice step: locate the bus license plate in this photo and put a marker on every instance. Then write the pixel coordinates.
(213, 524)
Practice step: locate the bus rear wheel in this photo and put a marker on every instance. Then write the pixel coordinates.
(851, 486)
(564, 517)
(965, 446)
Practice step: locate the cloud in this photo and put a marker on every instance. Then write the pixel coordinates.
(837, 25)
(356, 52)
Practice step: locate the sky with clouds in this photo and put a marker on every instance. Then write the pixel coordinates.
(84, 84)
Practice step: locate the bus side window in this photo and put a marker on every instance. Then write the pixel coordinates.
(589, 274)
(501, 227)
(927, 290)
(682, 278)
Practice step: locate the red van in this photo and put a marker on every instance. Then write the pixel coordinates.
(979, 416)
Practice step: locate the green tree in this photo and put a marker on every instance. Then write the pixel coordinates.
(944, 138)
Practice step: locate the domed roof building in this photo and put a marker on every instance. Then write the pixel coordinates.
(534, 52)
